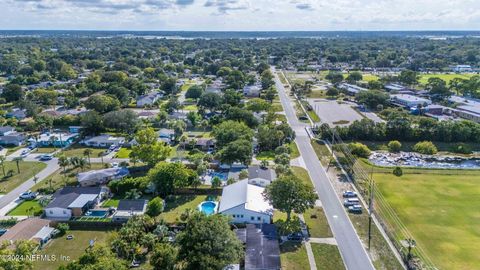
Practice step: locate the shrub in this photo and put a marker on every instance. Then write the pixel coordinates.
(63, 228)
(216, 182)
(394, 146)
(359, 150)
(332, 91)
(398, 171)
(425, 147)
(462, 148)
(155, 207)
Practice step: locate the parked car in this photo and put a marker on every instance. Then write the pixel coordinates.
(350, 202)
(298, 236)
(3, 231)
(356, 209)
(29, 195)
(69, 237)
(46, 157)
(349, 194)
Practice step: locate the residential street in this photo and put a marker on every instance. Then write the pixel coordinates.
(351, 249)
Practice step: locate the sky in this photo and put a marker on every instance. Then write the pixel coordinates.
(240, 15)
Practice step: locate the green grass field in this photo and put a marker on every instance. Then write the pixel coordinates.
(77, 150)
(123, 153)
(73, 248)
(327, 257)
(293, 256)
(111, 203)
(27, 170)
(27, 208)
(440, 211)
(176, 205)
(317, 223)
(444, 76)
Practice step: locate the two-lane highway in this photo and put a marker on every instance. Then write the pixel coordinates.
(353, 252)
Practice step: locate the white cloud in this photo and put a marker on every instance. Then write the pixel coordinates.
(241, 14)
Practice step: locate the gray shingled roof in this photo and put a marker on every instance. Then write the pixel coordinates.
(128, 205)
(259, 172)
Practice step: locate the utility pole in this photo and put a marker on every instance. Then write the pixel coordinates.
(370, 209)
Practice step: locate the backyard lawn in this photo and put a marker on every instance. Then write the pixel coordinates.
(27, 170)
(439, 209)
(176, 205)
(27, 208)
(327, 257)
(73, 248)
(77, 150)
(293, 256)
(123, 153)
(111, 203)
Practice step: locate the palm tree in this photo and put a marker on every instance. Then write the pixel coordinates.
(133, 194)
(2, 163)
(63, 162)
(82, 163)
(17, 160)
(52, 140)
(87, 152)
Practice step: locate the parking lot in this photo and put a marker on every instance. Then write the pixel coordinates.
(333, 113)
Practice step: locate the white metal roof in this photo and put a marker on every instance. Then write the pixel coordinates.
(43, 233)
(82, 200)
(242, 193)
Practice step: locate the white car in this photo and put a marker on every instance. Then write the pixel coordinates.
(29, 195)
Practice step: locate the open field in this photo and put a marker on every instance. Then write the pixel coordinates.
(27, 170)
(27, 208)
(447, 77)
(327, 257)
(123, 153)
(437, 207)
(73, 248)
(293, 256)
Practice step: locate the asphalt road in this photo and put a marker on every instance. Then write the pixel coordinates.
(353, 253)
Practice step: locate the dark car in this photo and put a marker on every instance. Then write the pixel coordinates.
(3, 231)
(349, 194)
(46, 157)
(356, 209)
(298, 236)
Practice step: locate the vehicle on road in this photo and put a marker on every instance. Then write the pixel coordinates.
(350, 202)
(3, 231)
(29, 195)
(25, 153)
(349, 194)
(356, 209)
(46, 157)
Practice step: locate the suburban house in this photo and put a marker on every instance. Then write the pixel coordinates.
(75, 129)
(262, 250)
(166, 135)
(148, 99)
(129, 208)
(462, 68)
(215, 87)
(245, 203)
(57, 139)
(101, 177)
(252, 90)
(17, 113)
(35, 229)
(8, 136)
(205, 144)
(104, 141)
(393, 87)
(409, 100)
(73, 202)
(260, 176)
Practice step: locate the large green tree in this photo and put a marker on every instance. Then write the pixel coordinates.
(289, 194)
(208, 243)
(229, 131)
(167, 177)
(148, 148)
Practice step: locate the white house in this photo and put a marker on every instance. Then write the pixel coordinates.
(148, 99)
(260, 176)
(104, 141)
(244, 203)
(73, 201)
(462, 68)
(100, 177)
(34, 229)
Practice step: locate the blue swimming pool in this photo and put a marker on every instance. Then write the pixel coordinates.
(222, 176)
(208, 207)
(96, 213)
